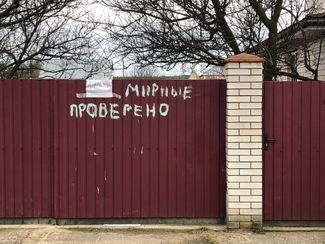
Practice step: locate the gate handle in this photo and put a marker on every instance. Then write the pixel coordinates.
(266, 141)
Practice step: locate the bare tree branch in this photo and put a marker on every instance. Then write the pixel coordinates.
(203, 31)
(47, 31)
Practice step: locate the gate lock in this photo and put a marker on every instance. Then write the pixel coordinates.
(266, 141)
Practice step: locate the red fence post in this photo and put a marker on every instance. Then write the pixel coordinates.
(244, 140)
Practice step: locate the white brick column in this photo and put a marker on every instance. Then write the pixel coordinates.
(244, 140)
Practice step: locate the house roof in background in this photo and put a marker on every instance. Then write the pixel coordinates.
(313, 20)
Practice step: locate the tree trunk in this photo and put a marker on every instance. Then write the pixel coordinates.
(270, 66)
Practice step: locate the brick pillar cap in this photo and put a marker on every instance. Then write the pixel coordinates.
(244, 57)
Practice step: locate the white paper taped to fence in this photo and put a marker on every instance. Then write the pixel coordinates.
(99, 89)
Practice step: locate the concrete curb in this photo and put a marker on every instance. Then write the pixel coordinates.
(294, 229)
(160, 227)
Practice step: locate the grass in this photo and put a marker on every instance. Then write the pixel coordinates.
(257, 228)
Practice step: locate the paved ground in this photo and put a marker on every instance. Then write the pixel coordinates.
(57, 234)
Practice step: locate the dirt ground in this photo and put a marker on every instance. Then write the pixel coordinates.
(56, 234)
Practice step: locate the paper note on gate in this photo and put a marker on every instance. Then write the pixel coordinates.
(99, 88)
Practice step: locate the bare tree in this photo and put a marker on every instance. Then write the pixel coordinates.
(39, 31)
(201, 31)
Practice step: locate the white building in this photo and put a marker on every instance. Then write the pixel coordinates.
(302, 45)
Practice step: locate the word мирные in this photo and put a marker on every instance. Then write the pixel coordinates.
(163, 91)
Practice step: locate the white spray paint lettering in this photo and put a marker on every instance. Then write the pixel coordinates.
(102, 110)
(116, 111)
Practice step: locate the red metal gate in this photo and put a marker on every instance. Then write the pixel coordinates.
(294, 164)
(125, 161)
(149, 166)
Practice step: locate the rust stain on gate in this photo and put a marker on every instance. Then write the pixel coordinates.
(57, 164)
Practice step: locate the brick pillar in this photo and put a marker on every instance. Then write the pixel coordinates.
(244, 140)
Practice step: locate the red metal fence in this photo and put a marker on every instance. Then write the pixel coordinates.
(26, 142)
(119, 159)
(294, 165)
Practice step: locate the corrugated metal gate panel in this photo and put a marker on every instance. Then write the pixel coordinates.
(294, 168)
(26, 159)
(169, 166)
(54, 165)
